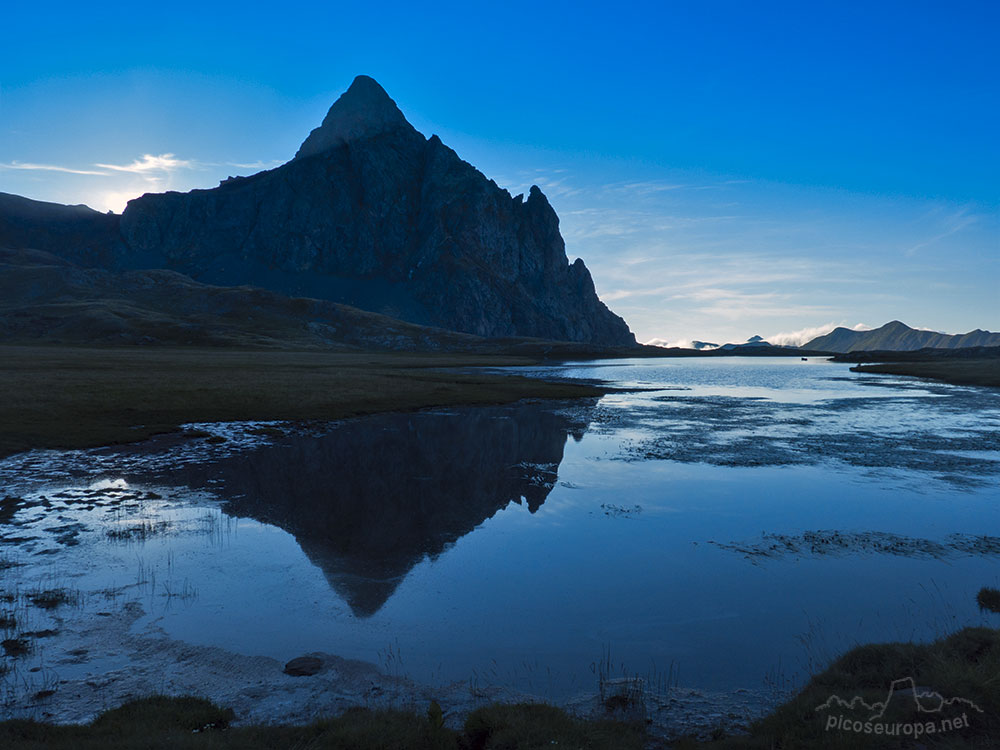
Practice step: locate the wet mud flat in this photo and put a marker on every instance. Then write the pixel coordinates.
(833, 542)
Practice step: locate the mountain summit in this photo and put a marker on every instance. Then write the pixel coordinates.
(363, 111)
(369, 213)
(897, 336)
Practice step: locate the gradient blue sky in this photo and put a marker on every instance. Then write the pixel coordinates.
(724, 169)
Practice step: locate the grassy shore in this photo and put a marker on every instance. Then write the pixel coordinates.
(959, 371)
(68, 397)
(964, 665)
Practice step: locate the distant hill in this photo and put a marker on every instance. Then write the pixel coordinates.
(754, 342)
(369, 213)
(897, 336)
(47, 299)
(920, 355)
(78, 233)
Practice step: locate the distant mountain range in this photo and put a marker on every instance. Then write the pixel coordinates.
(369, 213)
(754, 342)
(896, 336)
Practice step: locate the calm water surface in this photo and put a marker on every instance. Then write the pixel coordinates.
(731, 522)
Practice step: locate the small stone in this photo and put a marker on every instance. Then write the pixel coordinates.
(303, 666)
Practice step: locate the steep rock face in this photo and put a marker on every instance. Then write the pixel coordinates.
(372, 214)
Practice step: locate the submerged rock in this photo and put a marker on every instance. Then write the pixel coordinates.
(303, 666)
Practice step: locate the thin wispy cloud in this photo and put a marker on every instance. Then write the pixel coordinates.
(112, 185)
(952, 224)
(247, 165)
(681, 344)
(27, 166)
(644, 187)
(745, 309)
(150, 164)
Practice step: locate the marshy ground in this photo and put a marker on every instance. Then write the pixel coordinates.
(75, 397)
(983, 372)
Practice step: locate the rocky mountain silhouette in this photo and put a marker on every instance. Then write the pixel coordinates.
(369, 213)
(897, 336)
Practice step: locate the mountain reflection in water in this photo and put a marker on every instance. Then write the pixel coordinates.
(371, 498)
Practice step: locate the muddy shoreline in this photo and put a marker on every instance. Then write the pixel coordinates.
(138, 662)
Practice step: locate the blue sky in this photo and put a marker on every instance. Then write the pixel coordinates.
(724, 169)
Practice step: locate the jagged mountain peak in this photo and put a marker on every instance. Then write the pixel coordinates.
(364, 110)
(370, 214)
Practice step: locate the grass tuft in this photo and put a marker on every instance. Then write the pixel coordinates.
(138, 532)
(15, 647)
(52, 598)
(989, 599)
(160, 714)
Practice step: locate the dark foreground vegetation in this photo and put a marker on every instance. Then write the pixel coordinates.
(958, 372)
(183, 723)
(75, 397)
(928, 354)
(965, 665)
